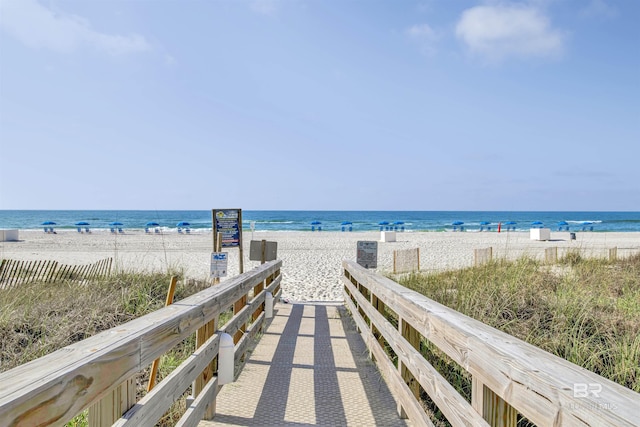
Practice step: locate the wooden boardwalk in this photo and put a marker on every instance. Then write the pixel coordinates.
(311, 368)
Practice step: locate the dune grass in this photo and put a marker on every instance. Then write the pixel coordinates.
(39, 318)
(585, 310)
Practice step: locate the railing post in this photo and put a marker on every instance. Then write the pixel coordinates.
(110, 408)
(493, 409)
(379, 306)
(202, 335)
(413, 337)
(613, 254)
(551, 255)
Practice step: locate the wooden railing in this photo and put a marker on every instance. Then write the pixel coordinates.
(98, 373)
(14, 272)
(510, 378)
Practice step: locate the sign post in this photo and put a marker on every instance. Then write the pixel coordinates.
(227, 227)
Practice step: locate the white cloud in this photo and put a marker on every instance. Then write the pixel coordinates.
(496, 32)
(39, 27)
(425, 36)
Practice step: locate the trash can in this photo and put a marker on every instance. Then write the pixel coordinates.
(572, 236)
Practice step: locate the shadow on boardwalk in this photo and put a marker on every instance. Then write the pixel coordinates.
(310, 368)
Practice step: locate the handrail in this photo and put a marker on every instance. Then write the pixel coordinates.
(509, 375)
(53, 389)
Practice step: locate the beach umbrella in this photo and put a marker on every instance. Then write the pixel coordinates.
(398, 222)
(48, 223)
(315, 222)
(510, 223)
(183, 224)
(485, 223)
(115, 224)
(383, 223)
(563, 223)
(536, 223)
(152, 224)
(83, 223)
(457, 223)
(346, 223)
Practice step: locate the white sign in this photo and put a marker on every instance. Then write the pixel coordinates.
(367, 255)
(219, 261)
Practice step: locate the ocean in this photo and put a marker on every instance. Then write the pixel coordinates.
(328, 220)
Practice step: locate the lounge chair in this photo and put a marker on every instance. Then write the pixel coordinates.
(79, 229)
(120, 231)
(146, 230)
(113, 230)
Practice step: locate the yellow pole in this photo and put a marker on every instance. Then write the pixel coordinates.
(154, 366)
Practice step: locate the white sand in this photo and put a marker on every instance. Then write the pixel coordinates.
(311, 261)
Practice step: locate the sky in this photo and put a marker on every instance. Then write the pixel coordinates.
(320, 105)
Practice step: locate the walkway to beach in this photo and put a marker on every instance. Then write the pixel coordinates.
(311, 368)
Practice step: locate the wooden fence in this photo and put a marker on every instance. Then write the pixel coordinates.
(510, 378)
(99, 372)
(14, 272)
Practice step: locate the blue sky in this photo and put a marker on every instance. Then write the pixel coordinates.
(309, 104)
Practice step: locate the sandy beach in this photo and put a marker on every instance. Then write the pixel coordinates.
(311, 260)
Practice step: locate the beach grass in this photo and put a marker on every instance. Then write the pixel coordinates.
(39, 318)
(585, 310)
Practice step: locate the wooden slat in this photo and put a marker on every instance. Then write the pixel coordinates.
(538, 384)
(155, 403)
(455, 408)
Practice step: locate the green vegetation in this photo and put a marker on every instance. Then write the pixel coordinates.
(586, 311)
(39, 318)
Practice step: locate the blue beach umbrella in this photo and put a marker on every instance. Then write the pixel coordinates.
(457, 223)
(383, 223)
(398, 222)
(510, 223)
(115, 224)
(152, 224)
(346, 223)
(536, 223)
(48, 226)
(183, 224)
(315, 222)
(82, 223)
(485, 223)
(563, 223)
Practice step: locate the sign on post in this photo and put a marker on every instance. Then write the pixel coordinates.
(227, 223)
(219, 263)
(258, 252)
(367, 254)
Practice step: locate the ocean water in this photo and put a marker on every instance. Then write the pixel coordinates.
(329, 220)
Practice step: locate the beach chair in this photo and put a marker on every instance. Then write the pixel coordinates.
(120, 231)
(113, 230)
(79, 229)
(157, 230)
(179, 230)
(187, 230)
(146, 230)
(86, 230)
